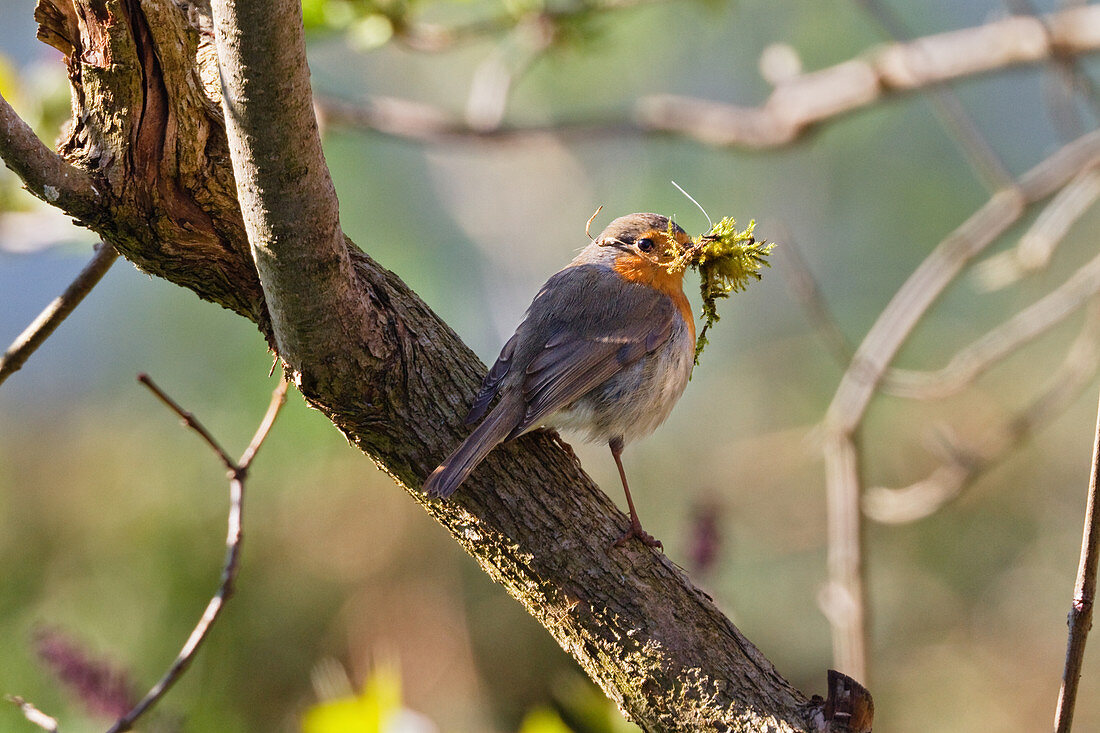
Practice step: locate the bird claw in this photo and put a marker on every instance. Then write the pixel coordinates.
(636, 532)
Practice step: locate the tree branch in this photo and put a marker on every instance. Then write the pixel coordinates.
(799, 103)
(953, 117)
(873, 357)
(46, 174)
(283, 184)
(964, 462)
(57, 311)
(1084, 595)
(998, 343)
(237, 470)
(381, 365)
(1037, 245)
(796, 105)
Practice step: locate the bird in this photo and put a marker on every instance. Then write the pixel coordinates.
(605, 348)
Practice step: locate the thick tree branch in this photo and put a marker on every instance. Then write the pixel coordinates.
(384, 368)
(291, 213)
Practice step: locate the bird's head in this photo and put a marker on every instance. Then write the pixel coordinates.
(642, 248)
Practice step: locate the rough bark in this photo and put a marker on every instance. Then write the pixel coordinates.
(149, 128)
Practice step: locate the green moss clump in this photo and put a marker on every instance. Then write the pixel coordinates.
(727, 260)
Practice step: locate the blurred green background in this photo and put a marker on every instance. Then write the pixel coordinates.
(112, 516)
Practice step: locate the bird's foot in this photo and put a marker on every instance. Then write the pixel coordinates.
(636, 532)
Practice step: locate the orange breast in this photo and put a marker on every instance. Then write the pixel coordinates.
(635, 269)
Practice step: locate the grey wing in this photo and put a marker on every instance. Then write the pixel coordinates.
(491, 385)
(586, 343)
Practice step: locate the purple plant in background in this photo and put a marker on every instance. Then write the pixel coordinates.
(705, 536)
(103, 689)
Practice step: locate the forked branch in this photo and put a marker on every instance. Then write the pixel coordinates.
(238, 471)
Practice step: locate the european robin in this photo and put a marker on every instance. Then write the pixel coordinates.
(606, 348)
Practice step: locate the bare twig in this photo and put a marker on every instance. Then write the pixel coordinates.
(57, 311)
(278, 399)
(237, 473)
(940, 268)
(33, 714)
(795, 105)
(189, 420)
(974, 360)
(1084, 593)
(46, 174)
(803, 285)
(843, 598)
(799, 103)
(963, 464)
(860, 382)
(1066, 78)
(1037, 245)
(426, 123)
(945, 103)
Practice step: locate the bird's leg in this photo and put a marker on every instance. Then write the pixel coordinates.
(616, 445)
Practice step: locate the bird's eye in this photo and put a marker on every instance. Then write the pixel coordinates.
(645, 244)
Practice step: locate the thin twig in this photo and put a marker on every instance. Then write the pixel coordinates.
(57, 311)
(874, 356)
(422, 122)
(1066, 77)
(278, 399)
(843, 598)
(237, 473)
(1084, 593)
(901, 315)
(974, 360)
(945, 103)
(33, 714)
(964, 464)
(189, 420)
(1037, 245)
(804, 287)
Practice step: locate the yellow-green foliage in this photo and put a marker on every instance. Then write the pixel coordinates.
(368, 712)
(727, 260)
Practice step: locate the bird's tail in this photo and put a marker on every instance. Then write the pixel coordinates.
(488, 435)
